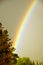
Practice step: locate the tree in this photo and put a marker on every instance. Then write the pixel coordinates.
(24, 61)
(6, 49)
(15, 58)
(33, 62)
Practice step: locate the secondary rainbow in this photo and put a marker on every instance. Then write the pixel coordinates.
(24, 21)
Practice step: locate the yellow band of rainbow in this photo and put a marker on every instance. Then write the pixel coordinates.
(24, 20)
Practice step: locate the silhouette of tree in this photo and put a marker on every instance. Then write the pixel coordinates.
(6, 49)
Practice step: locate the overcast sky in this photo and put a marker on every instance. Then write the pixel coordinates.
(31, 40)
(11, 14)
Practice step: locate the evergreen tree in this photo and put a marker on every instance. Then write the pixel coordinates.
(6, 49)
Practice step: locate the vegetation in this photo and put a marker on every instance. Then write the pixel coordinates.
(6, 49)
(27, 61)
(7, 57)
(24, 61)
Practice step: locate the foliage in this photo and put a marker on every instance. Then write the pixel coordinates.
(6, 49)
(14, 59)
(7, 57)
(24, 61)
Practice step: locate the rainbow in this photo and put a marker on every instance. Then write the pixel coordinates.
(24, 21)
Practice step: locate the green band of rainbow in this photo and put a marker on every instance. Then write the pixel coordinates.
(24, 20)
